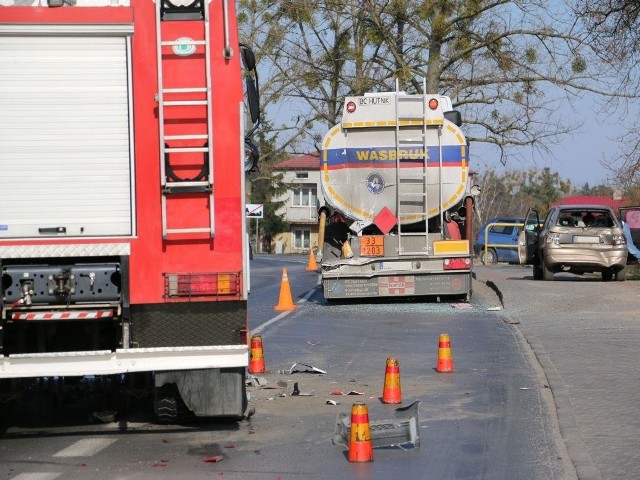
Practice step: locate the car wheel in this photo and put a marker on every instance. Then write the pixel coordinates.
(546, 273)
(621, 275)
(492, 257)
(607, 275)
(537, 272)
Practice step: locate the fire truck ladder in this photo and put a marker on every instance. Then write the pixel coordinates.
(198, 11)
(411, 183)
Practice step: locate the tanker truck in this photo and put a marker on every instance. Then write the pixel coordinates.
(398, 199)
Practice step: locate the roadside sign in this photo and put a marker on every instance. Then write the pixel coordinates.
(254, 210)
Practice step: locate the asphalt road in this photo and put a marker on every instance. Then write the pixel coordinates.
(493, 418)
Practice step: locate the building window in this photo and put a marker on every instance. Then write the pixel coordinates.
(301, 238)
(302, 174)
(305, 197)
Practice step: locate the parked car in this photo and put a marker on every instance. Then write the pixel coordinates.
(506, 235)
(577, 239)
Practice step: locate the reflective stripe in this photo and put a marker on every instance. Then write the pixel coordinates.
(70, 315)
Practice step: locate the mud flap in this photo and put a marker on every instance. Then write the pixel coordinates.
(401, 431)
(211, 392)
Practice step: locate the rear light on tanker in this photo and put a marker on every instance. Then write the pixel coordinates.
(351, 107)
(433, 104)
(457, 264)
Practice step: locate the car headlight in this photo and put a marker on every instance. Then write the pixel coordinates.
(553, 238)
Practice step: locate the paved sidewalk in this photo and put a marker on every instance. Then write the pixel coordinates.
(586, 335)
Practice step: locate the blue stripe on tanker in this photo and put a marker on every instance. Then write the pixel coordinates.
(385, 157)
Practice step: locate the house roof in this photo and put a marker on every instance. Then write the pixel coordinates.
(309, 161)
(606, 200)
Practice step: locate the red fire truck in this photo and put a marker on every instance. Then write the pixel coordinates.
(123, 154)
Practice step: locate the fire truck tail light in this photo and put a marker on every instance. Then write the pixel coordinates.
(457, 264)
(433, 104)
(351, 107)
(177, 285)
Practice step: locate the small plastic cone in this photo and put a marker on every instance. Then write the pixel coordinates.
(360, 446)
(312, 265)
(445, 361)
(256, 363)
(286, 301)
(391, 393)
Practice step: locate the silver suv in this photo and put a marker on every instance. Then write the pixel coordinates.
(577, 239)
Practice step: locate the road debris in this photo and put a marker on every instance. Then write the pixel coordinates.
(214, 459)
(340, 392)
(254, 381)
(297, 393)
(461, 305)
(401, 431)
(302, 368)
(106, 416)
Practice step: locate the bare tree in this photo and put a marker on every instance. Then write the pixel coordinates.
(510, 193)
(512, 67)
(613, 27)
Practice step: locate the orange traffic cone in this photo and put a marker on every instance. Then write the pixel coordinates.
(391, 392)
(360, 446)
(312, 265)
(256, 364)
(286, 301)
(445, 362)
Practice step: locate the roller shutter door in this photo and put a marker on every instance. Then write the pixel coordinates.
(65, 137)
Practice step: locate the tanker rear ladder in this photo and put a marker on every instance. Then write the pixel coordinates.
(201, 186)
(406, 135)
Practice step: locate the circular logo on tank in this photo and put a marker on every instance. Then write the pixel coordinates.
(375, 183)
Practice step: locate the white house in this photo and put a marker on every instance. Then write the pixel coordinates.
(302, 199)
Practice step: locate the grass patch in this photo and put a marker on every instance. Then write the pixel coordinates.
(633, 271)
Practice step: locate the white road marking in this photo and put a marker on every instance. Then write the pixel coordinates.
(38, 476)
(86, 447)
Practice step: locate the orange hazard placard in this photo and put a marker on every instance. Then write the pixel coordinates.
(371, 246)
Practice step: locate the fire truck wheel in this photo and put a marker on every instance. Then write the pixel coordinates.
(169, 406)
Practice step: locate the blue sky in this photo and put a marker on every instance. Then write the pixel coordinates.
(577, 157)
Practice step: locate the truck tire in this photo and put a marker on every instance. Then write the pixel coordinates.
(169, 406)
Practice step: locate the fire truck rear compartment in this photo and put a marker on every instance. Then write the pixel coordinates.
(60, 307)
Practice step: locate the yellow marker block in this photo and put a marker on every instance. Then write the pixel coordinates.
(444, 247)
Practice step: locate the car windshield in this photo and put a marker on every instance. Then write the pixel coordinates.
(585, 218)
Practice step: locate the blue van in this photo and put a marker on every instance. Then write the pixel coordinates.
(499, 235)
